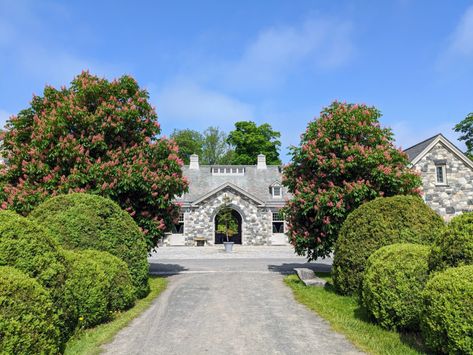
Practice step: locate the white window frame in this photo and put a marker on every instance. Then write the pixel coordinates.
(228, 171)
(443, 168)
(273, 191)
(277, 218)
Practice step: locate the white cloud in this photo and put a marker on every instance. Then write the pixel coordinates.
(24, 36)
(275, 53)
(459, 47)
(462, 39)
(187, 102)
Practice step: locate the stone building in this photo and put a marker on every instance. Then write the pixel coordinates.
(255, 195)
(447, 175)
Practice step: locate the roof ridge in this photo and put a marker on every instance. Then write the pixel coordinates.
(424, 141)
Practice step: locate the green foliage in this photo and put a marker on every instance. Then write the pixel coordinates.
(345, 316)
(85, 291)
(99, 137)
(121, 293)
(447, 321)
(83, 221)
(29, 247)
(344, 159)
(215, 149)
(454, 244)
(226, 221)
(466, 128)
(189, 142)
(393, 282)
(383, 221)
(28, 322)
(250, 140)
(90, 341)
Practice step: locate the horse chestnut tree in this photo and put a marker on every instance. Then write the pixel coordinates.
(96, 136)
(344, 159)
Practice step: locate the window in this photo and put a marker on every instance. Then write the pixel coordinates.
(228, 171)
(178, 228)
(277, 191)
(278, 222)
(441, 173)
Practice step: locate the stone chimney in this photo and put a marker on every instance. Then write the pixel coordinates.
(261, 162)
(194, 162)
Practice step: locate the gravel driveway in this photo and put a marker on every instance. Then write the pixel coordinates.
(228, 306)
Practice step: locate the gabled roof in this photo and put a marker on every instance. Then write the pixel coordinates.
(231, 186)
(418, 151)
(418, 148)
(255, 182)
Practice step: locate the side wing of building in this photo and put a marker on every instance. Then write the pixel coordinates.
(447, 175)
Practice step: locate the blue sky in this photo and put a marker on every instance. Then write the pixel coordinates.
(217, 62)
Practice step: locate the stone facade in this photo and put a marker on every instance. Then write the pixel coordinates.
(200, 221)
(455, 194)
(256, 194)
(249, 190)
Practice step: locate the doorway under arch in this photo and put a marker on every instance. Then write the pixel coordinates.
(220, 237)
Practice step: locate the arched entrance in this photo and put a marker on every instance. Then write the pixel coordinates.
(233, 223)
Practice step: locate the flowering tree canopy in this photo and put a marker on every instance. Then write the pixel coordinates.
(344, 159)
(99, 137)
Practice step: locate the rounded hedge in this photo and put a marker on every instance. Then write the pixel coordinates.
(85, 290)
(30, 248)
(27, 246)
(447, 319)
(383, 221)
(453, 246)
(120, 293)
(28, 322)
(392, 286)
(84, 221)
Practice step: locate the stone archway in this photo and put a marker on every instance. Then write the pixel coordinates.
(220, 237)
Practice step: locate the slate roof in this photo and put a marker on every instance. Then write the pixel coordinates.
(415, 150)
(256, 182)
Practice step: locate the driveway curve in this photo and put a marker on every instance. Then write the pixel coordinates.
(234, 306)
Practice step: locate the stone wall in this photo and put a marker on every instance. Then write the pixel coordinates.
(457, 195)
(256, 221)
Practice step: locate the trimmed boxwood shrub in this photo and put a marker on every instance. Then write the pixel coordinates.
(454, 244)
(393, 282)
(84, 221)
(121, 293)
(383, 221)
(28, 322)
(447, 320)
(27, 246)
(86, 290)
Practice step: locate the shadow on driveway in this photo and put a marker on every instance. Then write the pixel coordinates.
(166, 269)
(287, 269)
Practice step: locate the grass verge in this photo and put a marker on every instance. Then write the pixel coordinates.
(90, 340)
(346, 317)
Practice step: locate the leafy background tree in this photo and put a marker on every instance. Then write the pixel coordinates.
(249, 140)
(96, 136)
(189, 142)
(466, 128)
(344, 159)
(215, 149)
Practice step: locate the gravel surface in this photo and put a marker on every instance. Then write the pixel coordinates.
(228, 305)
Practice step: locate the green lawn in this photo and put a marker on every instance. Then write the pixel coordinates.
(346, 317)
(89, 341)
